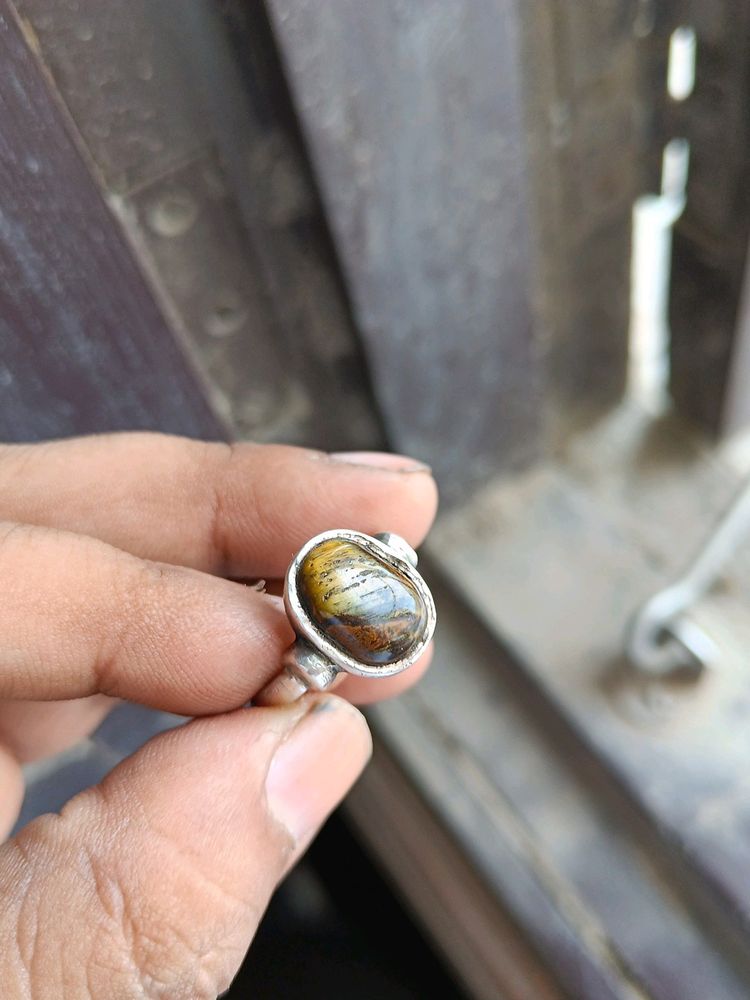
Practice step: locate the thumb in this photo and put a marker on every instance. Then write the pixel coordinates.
(152, 883)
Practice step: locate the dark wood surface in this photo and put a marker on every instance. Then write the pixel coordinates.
(84, 346)
(484, 231)
(422, 170)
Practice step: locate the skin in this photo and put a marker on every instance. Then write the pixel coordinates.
(117, 555)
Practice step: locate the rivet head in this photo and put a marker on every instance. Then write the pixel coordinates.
(173, 215)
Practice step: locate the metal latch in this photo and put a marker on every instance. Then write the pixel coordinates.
(661, 639)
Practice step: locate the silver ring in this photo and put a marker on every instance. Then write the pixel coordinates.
(358, 606)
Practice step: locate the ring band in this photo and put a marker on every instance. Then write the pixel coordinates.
(358, 606)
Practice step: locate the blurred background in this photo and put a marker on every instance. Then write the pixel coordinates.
(507, 237)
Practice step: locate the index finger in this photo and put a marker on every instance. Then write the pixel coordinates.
(79, 617)
(238, 510)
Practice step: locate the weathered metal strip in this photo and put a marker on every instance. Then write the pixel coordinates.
(181, 112)
(414, 119)
(83, 347)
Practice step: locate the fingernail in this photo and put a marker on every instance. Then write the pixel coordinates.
(379, 460)
(316, 765)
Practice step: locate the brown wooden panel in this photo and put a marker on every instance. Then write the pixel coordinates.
(83, 347)
(124, 86)
(414, 121)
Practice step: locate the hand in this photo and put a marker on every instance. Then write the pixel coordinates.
(113, 553)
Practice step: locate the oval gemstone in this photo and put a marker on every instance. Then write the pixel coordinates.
(364, 606)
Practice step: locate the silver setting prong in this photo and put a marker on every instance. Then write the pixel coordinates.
(399, 546)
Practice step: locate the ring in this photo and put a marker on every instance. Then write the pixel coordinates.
(358, 606)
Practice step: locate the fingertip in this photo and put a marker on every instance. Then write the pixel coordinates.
(316, 765)
(426, 503)
(380, 460)
(403, 503)
(375, 491)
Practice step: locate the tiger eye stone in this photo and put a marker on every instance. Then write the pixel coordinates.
(364, 606)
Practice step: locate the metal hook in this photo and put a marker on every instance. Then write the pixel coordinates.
(660, 639)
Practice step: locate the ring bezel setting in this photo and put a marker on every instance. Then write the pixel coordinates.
(392, 551)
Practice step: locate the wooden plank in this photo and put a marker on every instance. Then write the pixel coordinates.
(556, 565)
(85, 348)
(414, 121)
(181, 112)
(123, 85)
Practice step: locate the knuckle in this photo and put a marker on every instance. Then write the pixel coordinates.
(136, 930)
(35, 952)
(175, 954)
(231, 478)
(138, 590)
(14, 539)
(221, 460)
(155, 940)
